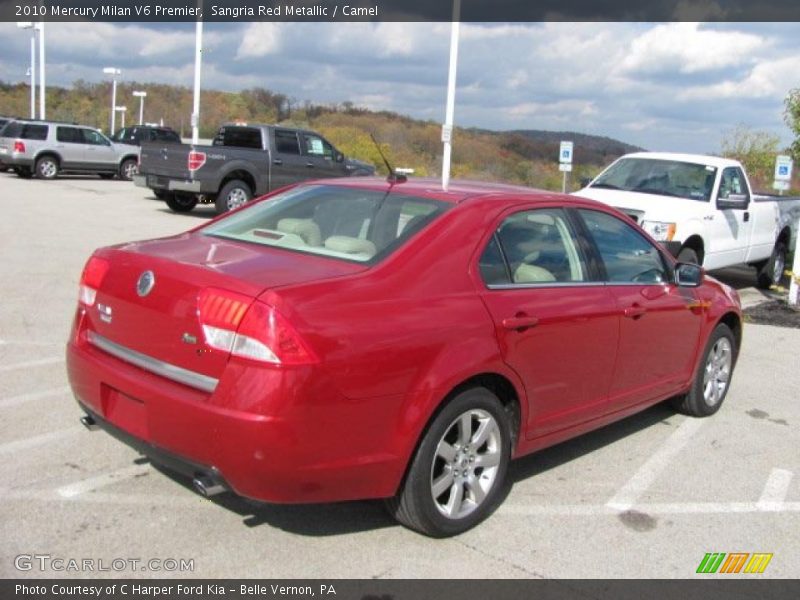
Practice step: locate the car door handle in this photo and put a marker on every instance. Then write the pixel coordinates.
(277, 161)
(635, 311)
(746, 216)
(520, 322)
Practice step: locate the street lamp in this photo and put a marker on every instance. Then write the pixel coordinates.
(122, 109)
(114, 72)
(32, 71)
(141, 95)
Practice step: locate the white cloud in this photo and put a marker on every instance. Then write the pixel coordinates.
(259, 40)
(687, 48)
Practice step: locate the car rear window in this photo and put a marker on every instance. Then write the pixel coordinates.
(238, 137)
(167, 135)
(25, 131)
(341, 222)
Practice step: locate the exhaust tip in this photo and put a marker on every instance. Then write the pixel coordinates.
(207, 487)
(89, 422)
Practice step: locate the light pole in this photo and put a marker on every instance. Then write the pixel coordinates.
(447, 128)
(42, 88)
(33, 27)
(141, 95)
(198, 63)
(123, 110)
(114, 72)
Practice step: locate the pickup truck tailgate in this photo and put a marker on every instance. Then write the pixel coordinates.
(165, 160)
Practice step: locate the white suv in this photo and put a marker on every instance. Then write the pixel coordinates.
(47, 148)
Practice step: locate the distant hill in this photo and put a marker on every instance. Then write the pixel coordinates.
(543, 145)
(524, 157)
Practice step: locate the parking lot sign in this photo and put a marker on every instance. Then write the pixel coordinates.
(783, 168)
(565, 152)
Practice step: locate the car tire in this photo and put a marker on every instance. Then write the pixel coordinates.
(233, 194)
(771, 272)
(23, 172)
(463, 456)
(688, 255)
(181, 203)
(46, 167)
(713, 375)
(128, 169)
(160, 194)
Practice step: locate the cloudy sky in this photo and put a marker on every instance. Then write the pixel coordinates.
(670, 86)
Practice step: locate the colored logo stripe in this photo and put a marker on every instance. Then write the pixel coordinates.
(758, 563)
(735, 561)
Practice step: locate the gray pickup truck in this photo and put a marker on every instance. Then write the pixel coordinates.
(243, 161)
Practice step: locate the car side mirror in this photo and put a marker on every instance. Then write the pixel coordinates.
(339, 156)
(734, 201)
(688, 275)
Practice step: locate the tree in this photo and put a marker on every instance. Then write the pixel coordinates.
(791, 115)
(756, 150)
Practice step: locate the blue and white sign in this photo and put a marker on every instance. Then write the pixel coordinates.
(565, 152)
(783, 168)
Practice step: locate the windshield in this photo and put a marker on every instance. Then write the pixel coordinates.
(662, 177)
(348, 223)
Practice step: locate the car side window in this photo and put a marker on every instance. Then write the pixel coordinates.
(90, 136)
(627, 255)
(534, 247)
(732, 182)
(314, 145)
(286, 142)
(69, 135)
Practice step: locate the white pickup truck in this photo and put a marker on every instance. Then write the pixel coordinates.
(702, 209)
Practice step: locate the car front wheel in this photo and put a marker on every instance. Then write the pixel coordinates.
(456, 476)
(713, 377)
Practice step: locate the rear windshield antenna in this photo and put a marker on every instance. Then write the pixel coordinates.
(393, 177)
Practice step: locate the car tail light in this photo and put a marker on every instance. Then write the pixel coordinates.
(19, 146)
(196, 160)
(250, 329)
(91, 278)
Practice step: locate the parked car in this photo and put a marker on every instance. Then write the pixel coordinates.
(243, 161)
(3, 121)
(47, 148)
(703, 209)
(146, 133)
(353, 338)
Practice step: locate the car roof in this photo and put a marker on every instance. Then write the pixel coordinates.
(458, 191)
(699, 159)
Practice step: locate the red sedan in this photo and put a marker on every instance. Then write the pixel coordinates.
(368, 339)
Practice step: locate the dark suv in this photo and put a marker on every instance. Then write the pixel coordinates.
(47, 148)
(146, 133)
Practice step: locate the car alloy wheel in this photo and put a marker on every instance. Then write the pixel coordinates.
(466, 463)
(236, 198)
(717, 371)
(46, 168)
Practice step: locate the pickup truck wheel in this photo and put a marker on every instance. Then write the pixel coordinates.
(181, 202)
(456, 475)
(771, 272)
(233, 194)
(713, 378)
(46, 168)
(688, 255)
(128, 169)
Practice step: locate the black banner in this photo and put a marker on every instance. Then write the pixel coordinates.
(398, 10)
(457, 588)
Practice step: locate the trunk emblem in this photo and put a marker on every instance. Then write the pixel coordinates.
(145, 284)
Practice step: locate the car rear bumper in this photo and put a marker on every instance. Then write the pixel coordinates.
(281, 458)
(10, 160)
(158, 182)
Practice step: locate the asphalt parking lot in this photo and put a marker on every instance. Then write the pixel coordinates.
(646, 497)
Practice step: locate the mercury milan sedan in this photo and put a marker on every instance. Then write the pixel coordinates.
(362, 338)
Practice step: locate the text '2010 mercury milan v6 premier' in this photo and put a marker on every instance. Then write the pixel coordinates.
(363, 338)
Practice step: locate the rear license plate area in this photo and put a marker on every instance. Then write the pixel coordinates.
(125, 412)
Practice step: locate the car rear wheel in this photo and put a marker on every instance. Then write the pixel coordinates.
(181, 202)
(46, 167)
(771, 272)
(233, 194)
(456, 476)
(128, 169)
(711, 383)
